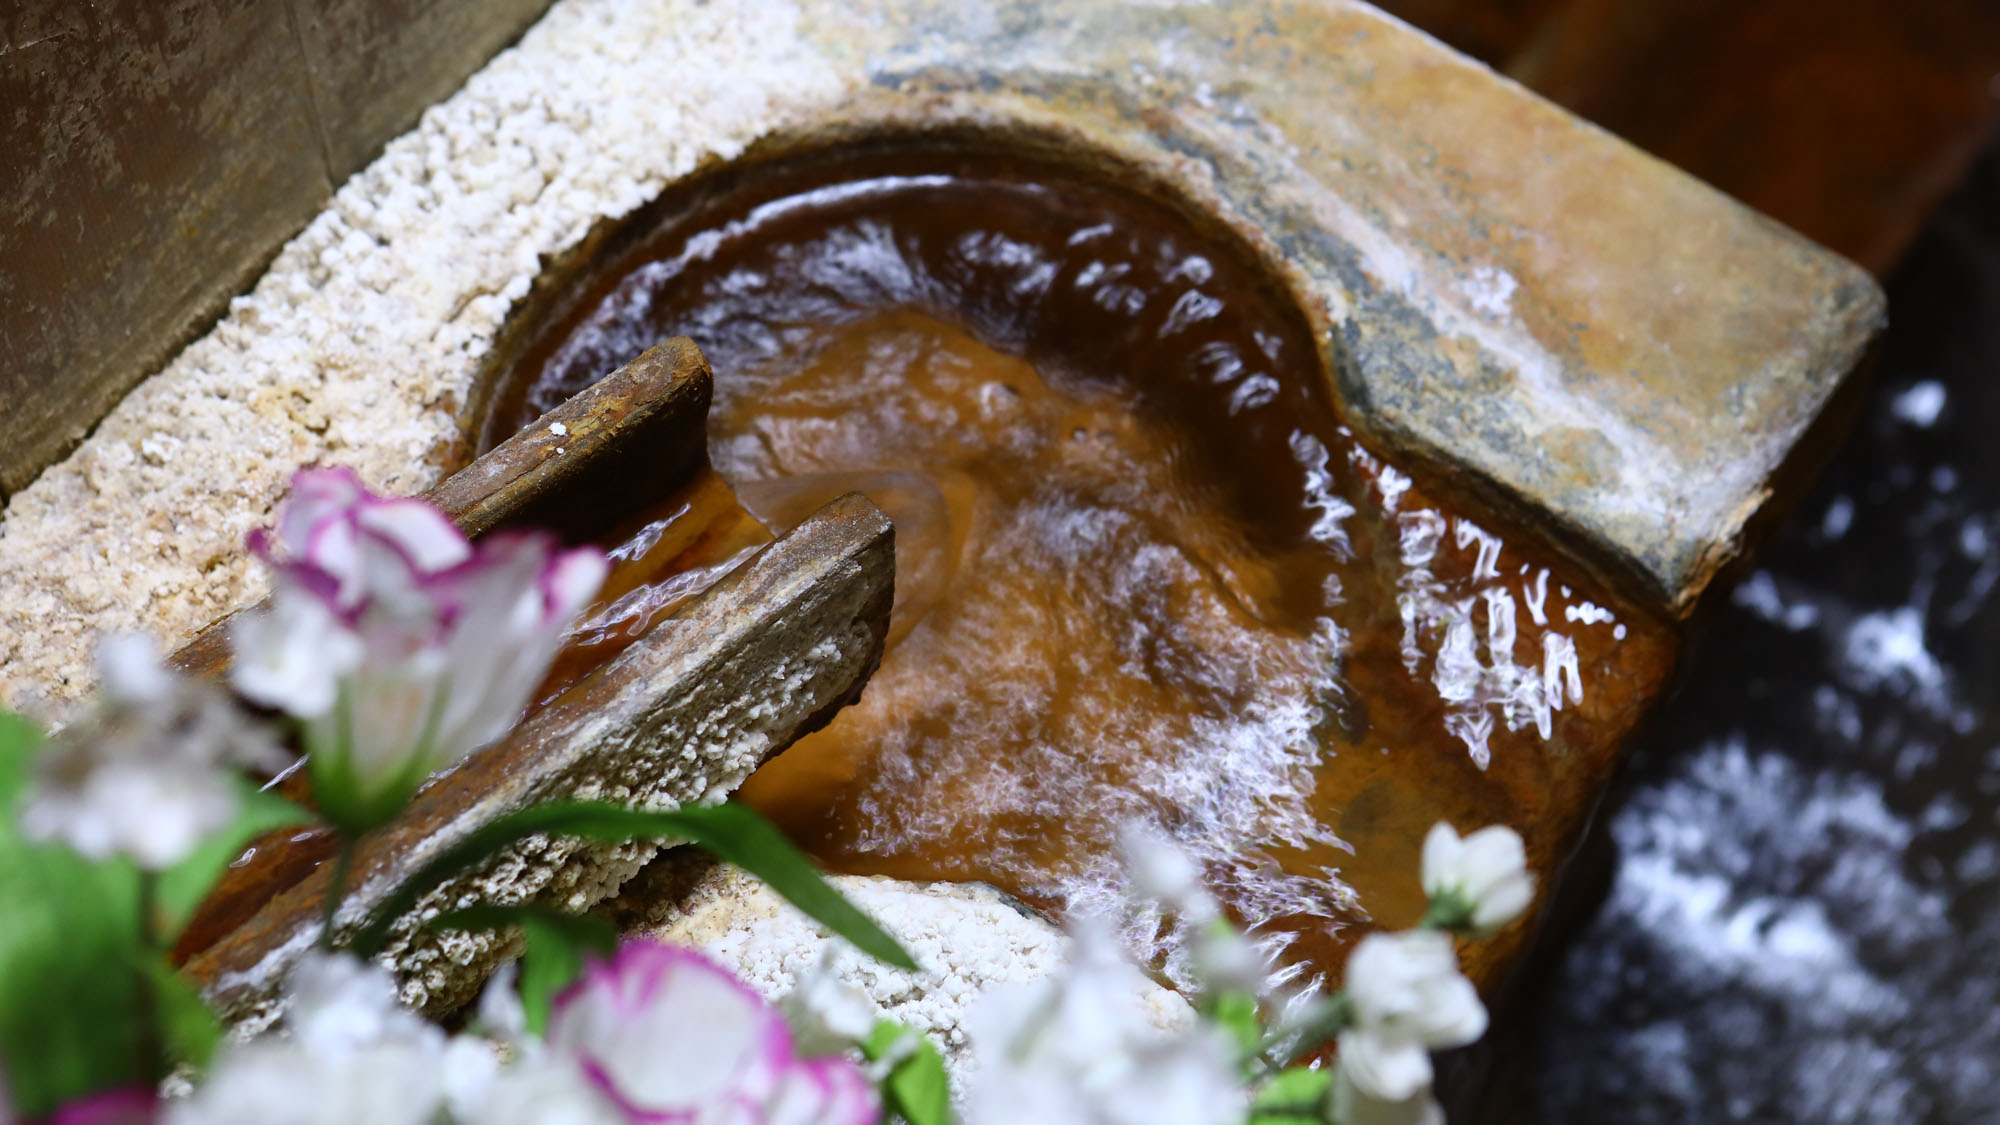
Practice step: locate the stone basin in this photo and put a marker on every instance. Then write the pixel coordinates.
(1543, 326)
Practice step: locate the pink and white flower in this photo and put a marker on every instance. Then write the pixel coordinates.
(671, 1037)
(400, 645)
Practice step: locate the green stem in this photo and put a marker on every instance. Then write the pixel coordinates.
(1286, 1045)
(152, 1045)
(336, 887)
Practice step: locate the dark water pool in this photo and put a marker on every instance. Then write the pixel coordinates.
(1802, 923)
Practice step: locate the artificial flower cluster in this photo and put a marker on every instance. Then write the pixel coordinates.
(1076, 1049)
(395, 647)
(1404, 997)
(391, 647)
(652, 1034)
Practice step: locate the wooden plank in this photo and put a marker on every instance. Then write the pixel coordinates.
(765, 656)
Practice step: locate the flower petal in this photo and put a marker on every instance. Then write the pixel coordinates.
(1492, 855)
(827, 1014)
(1351, 1106)
(1504, 901)
(568, 583)
(315, 496)
(129, 665)
(293, 655)
(1391, 1069)
(1453, 1015)
(418, 529)
(830, 1091)
(1441, 866)
(134, 1105)
(663, 1031)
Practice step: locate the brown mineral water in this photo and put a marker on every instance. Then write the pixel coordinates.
(1144, 573)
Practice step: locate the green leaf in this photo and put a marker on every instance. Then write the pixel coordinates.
(1294, 1097)
(557, 945)
(19, 741)
(732, 831)
(916, 1087)
(183, 886)
(354, 804)
(188, 1027)
(70, 986)
(1236, 1014)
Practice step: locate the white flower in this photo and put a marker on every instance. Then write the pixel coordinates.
(538, 1088)
(338, 1002)
(501, 1015)
(1077, 1050)
(129, 668)
(1483, 877)
(399, 645)
(828, 1015)
(1406, 998)
(152, 771)
(1354, 1106)
(352, 1055)
(1162, 871)
(668, 1035)
(1227, 961)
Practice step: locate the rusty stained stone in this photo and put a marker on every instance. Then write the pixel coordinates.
(1848, 119)
(768, 653)
(1524, 306)
(1534, 310)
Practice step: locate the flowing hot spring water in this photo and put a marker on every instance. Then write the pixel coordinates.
(1143, 571)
